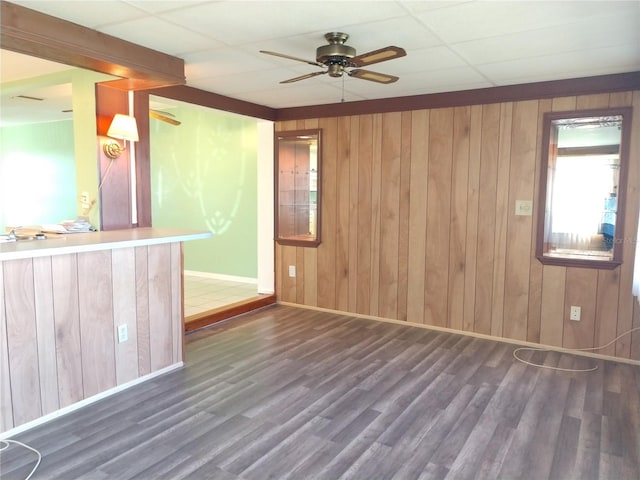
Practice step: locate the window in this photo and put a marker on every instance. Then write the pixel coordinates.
(583, 183)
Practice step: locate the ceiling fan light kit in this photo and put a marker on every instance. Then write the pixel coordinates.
(337, 58)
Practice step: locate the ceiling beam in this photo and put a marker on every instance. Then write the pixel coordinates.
(33, 33)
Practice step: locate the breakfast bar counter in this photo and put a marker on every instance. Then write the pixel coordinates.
(83, 315)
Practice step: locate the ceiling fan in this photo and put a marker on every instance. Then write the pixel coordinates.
(338, 58)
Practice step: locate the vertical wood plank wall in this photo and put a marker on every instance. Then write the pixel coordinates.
(59, 319)
(419, 224)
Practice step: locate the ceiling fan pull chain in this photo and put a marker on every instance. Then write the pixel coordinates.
(342, 101)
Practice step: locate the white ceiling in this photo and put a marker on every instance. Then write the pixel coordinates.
(451, 45)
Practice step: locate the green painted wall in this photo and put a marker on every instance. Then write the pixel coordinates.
(37, 174)
(204, 177)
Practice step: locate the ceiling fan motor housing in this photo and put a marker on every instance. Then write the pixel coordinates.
(336, 55)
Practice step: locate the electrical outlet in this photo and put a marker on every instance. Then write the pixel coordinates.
(292, 270)
(574, 313)
(123, 333)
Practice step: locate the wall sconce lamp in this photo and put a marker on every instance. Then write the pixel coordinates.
(123, 127)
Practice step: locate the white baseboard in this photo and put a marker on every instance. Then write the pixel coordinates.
(520, 343)
(220, 276)
(87, 401)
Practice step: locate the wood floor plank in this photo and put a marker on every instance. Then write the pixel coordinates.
(288, 393)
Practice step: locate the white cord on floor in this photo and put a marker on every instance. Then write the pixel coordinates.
(4, 444)
(534, 349)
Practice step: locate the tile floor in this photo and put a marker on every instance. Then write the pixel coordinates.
(202, 293)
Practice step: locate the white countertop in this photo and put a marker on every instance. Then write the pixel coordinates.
(59, 244)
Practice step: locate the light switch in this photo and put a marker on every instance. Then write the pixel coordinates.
(524, 207)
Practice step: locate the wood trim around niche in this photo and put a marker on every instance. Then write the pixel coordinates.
(623, 148)
(33, 33)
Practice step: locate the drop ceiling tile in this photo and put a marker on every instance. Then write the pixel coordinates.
(424, 6)
(237, 23)
(445, 78)
(160, 6)
(16, 66)
(87, 13)
(157, 34)
(423, 60)
(609, 30)
(474, 20)
(223, 61)
(405, 32)
(562, 65)
(295, 95)
(232, 84)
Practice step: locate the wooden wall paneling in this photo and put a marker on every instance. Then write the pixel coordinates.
(607, 298)
(487, 221)
(311, 123)
(562, 104)
(310, 286)
(376, 180)
(626, 301)
(403, 216)
(160, 325)
(388, 259)
(343, 156)
(283, 126)
(473, 216)
(520, 228)
(115, 194)
(327, 249)
(142, 160)
(620, 99)
(493, 282)
(535, 270)
(95, 300)
(6, 405)
(586, 102)
(143, 321)
(123, 268)
(300, 274)
(288, 288)
(46, 330)
(458, 226)
(279, 265)
(177, 303)
(554, 278)
(365, 167)
(501, 220)
(581, 283)
(635, 336)
(417, 217)
(438, 215)
(552, 309)
(67, 323)
(354, 159)
(22, 340)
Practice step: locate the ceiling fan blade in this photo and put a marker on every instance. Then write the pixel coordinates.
(162, 112)
(282, 55)
(303, 77)
(377, 56)
(373, 76)
(163, 118)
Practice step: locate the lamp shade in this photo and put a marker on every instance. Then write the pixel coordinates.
(124, 127)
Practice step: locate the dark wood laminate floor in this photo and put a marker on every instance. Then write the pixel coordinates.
(286, 393)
